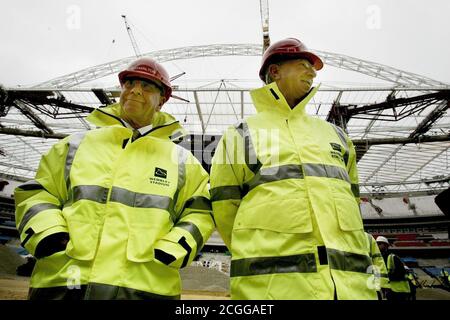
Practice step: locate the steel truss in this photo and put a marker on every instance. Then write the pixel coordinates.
(372, 69)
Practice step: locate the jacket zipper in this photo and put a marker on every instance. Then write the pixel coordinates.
(335, 297)
(123, 124)
(105, 211)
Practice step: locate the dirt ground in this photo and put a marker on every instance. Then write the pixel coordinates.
(16, 288)
(13, 287)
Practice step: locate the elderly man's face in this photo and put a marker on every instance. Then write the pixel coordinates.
(294, 77)
(139, 101)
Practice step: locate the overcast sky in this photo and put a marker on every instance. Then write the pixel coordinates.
(45, 39)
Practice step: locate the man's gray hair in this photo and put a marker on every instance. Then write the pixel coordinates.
(267, 77)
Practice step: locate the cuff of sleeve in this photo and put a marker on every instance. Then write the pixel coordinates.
(35, 238)
(172, 254)
(384, 282)
(51, 244)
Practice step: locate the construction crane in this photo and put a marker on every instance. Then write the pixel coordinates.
(132, 39)
(264, 7)
(138, 55)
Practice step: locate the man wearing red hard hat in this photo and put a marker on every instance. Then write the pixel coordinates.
(115, 212)
(285, 195)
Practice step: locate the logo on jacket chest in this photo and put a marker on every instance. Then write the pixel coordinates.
(160, 177)
(160, 173)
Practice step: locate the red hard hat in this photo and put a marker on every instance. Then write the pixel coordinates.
(149, 69)
(287, 49)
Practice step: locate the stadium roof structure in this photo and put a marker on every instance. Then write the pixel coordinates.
(401, 130)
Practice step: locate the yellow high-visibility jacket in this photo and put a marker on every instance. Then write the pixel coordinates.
(379, 270)
(397, 285)
(136, 211)
(285, 197)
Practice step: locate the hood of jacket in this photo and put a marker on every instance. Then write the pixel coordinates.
(164, 125)
(270, 99)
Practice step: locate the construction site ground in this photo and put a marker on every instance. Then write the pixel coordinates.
(199, 283)
(16, 288)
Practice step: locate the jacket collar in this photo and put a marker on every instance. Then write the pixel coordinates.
(164, 125)
(270, 99)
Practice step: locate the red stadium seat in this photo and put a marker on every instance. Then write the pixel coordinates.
(440, 243)
(407, 236)
(414, 243)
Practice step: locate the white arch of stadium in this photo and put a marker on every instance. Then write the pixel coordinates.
(376, 70)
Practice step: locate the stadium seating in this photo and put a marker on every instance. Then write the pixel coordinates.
(425, 279)
(406, 236)
(433, 271)
(410, 262)
(440, 243)
(412, 243)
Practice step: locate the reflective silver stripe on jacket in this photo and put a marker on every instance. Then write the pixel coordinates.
(251, 159)
(120, 195)
(182, 158)
(324, 170)
(194, 231)
(95, 291)
(225, 193)
(272, 174)
(198, 203)
(139, 200)
(269, 265)
(31, 185)
(94, 193)
(34, 210)
(302, 263)
(342, 137)
(100, 291)
(265, 175)
(176, 135)
(348, 261)
(74, 143)
(182, 155)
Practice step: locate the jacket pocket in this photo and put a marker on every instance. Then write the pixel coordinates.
(83, 239)
(141, 241)
(281, 215)
(348, 213)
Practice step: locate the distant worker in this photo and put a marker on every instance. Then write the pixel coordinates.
(413, 282)
(445, 276)
(115, 212)
(284, 189)
(379, 269)
(398, 282)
